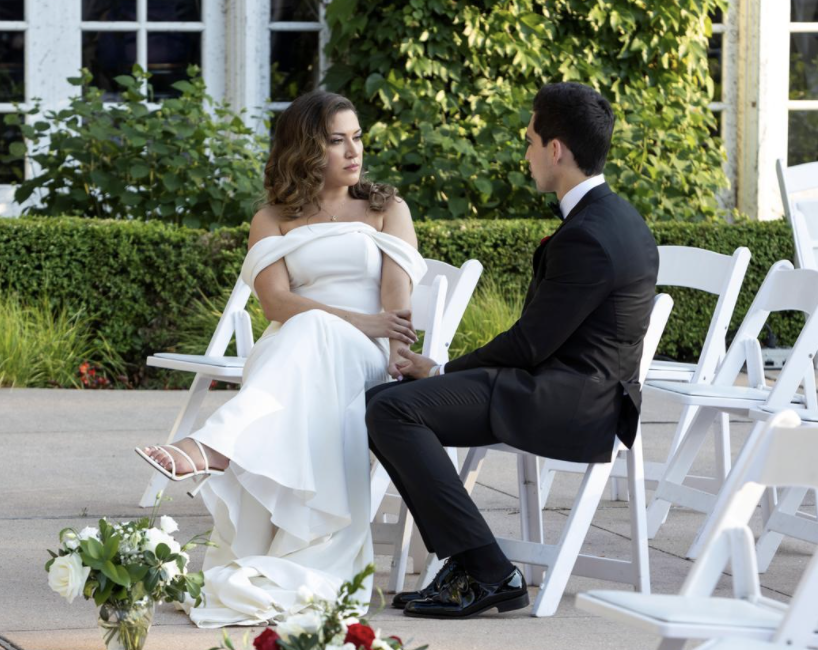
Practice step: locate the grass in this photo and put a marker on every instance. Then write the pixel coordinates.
(45, 347)
(493, 309)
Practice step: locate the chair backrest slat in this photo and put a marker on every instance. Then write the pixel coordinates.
(801, 212)
(660, 312)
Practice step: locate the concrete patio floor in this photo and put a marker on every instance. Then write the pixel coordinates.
(67, 461)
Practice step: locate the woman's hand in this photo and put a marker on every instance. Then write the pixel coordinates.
(395, 325)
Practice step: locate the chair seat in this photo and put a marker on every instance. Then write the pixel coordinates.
(670, 371)
(221, 367)
(711, 391)
(805, 414)
(683, 611)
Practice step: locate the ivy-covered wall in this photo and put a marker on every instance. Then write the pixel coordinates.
(444, 90)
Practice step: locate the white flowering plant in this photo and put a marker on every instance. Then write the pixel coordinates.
(324, 625)
(125, 564)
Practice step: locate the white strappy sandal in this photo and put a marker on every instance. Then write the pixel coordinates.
(199, 476)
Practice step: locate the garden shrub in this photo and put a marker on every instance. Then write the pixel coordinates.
(188, 161)
(444, 91)
(143, 284)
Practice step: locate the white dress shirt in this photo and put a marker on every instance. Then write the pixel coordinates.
(575, 194)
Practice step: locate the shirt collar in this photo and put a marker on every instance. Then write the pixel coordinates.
(575, 194)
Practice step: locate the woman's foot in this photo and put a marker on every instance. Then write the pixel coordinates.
(162, 453)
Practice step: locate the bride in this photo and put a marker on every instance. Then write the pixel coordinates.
(332, 259)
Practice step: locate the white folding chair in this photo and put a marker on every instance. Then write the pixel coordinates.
(564, 558)
(399, 537)
(783, 289)
(235, 321)
(783, 454)
(713, 273)
(798, 184)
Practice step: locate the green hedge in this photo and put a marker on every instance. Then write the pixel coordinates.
(140, 279)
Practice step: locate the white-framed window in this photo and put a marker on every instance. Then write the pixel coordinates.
(297, 37)
(256, 54)
(13, 55)
(802, 105)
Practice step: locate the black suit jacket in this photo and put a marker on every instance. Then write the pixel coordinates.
(568, 369)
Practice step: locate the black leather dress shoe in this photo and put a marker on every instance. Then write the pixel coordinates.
(463, 596)
(447, 570)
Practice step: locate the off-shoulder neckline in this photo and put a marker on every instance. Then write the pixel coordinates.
(323, 223)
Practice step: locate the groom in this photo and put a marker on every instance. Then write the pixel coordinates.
(561, 383)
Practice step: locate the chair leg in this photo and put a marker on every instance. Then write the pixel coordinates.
(678, 467)
(417, 551)
(723, 455)
(573, 534)
(400, 555)
(728, 488)
(181, 427)
(531, 525)
(378, 485)
(639, 523)
(433, 565)
(547, 476)
(769, 540)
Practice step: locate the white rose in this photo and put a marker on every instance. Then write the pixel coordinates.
(305, 595)
(154, 537)
(350, 621)
(380, 644)
(67, 576)
(307, 623)
(88, 532)
(70, 540)
(168, 524)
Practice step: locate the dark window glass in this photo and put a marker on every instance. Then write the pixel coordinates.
(803, 136)
(9, 172)
(294, 10)
(293, 64)
(12, 68)
(175, 10)
(169, 55)
(804, 11)
(716, 16)
(12, 10)
(109, 10)
(714, 58)
(108, 55)
(804, 66)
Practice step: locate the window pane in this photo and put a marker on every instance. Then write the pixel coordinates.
(12, 10)
(293, 64)
(714, 53)
(294, 10)
(803, 134)
(169, 55)
(109, 10)
(804, 11)
(175, 10)
(804, 66)
(717, 16)
(9, 172)
(108, 55)
(12, 69)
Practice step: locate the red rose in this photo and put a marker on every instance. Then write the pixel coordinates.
(267, 640)
(361, 636)
(545, 239)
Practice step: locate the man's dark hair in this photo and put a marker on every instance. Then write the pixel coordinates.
(580, 118)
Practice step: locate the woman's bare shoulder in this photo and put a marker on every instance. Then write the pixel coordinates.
(266, 222)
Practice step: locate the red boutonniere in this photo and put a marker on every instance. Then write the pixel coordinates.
(545, 239)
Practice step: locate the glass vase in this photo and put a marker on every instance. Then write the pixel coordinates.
(125, 626)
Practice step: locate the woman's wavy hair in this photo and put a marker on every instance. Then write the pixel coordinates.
(294, 173)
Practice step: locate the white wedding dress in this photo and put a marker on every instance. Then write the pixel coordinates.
(292, 509)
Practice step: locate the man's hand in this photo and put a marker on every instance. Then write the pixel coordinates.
(413, 365)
